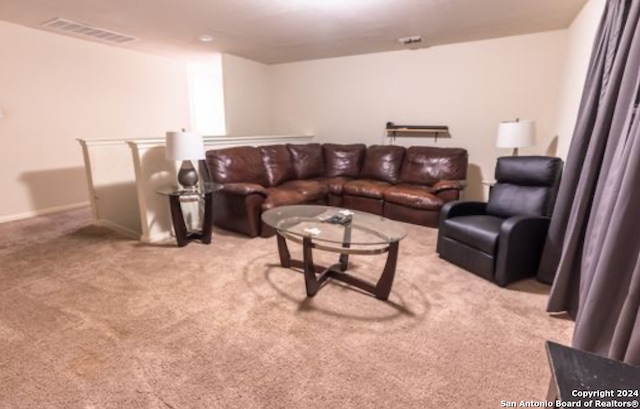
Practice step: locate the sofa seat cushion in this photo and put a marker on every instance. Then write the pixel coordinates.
(480, 232)
(335, 184)
(366, 188)
(295, 192)
(416, 196)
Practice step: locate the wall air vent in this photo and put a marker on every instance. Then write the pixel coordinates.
(83, 30)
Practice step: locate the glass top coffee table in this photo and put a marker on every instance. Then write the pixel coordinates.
(340, 231)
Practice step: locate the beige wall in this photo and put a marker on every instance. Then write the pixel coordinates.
(581, 35)
(247, 96)
(54, 89)
(470, 87)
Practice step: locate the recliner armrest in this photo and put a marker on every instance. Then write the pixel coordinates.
(462, 208)
(454, 209)
(520, 242)
(244, 189)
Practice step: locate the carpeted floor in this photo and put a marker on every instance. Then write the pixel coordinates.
(91, 320)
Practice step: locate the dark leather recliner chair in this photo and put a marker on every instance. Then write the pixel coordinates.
(502, 240)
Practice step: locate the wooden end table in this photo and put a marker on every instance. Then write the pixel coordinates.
(204, 196)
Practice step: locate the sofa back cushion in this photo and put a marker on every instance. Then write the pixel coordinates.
(382, 163)
(308, 161)
(278, 164)
(242, 164)
(425, 165)
(343, 160)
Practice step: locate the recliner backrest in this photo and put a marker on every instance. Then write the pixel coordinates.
(525, 185)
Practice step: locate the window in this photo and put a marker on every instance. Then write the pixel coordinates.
(206, 97)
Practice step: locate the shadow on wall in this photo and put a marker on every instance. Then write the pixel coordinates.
(552, 149)
(117, 206)
(56, 187)
(475, 190)
(158, 172)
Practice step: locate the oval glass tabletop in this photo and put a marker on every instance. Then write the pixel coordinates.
(328, 224)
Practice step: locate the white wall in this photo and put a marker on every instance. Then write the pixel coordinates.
(581, 35)
(54, 89)
(470, 87)
(247, 96)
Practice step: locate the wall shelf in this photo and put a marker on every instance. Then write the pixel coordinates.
(417, 131)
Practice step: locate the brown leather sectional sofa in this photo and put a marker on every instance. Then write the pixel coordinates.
(409, 185)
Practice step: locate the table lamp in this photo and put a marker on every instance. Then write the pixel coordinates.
(185, 146)
(520, 133)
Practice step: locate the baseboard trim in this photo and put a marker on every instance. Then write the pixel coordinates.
(154, 238)
(43, 212)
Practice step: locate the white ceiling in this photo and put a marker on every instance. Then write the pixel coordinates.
(277, 31)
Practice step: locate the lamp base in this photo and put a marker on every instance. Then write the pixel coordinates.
(188, 176)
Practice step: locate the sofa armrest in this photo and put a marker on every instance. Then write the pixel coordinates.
(520, 242)
(448, 185)
(244, 189)
(448, 190)
(238, 211)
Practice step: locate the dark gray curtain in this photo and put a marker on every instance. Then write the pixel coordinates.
(594, 239)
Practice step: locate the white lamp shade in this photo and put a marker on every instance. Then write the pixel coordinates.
(516, 134)
(184, 146)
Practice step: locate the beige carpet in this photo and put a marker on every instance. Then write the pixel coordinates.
(91, 320)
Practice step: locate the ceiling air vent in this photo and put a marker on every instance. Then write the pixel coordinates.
(79, 29)
(410, 40)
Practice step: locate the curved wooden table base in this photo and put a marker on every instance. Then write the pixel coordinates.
(315, 276)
